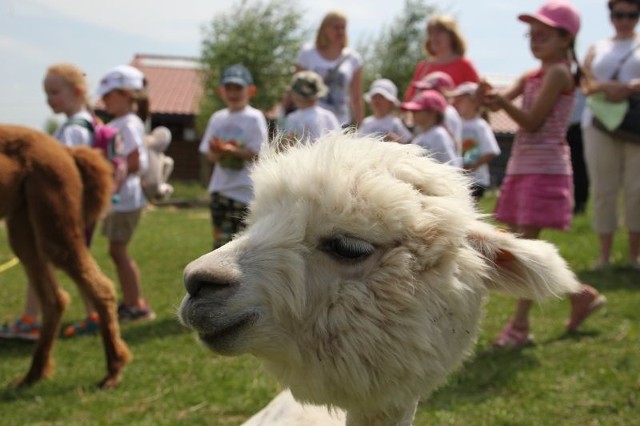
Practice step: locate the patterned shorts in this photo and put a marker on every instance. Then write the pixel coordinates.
(227, 218)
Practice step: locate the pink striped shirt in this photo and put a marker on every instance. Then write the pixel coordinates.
(546, 150)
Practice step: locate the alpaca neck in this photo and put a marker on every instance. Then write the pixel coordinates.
(398, 416)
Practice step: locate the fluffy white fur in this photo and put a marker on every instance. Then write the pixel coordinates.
(361, 276)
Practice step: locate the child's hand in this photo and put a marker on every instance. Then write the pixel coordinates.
(493, 101)
(484, 87)
(221, 147)
(392, 137)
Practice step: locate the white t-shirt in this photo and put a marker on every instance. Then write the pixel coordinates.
(131, 129)
(607, 56)
(438, 142)
(248, 129)
(477, 140)
(71, 134)
(380, 127)
(310, 123)
(338, 100)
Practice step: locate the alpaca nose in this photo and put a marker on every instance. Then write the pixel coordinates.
(198, 281)
(193, 285)
(211, 273)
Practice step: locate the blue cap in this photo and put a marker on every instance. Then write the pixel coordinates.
(236, 74)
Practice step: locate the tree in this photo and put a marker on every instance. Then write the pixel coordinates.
(398, 48)
(265, 37)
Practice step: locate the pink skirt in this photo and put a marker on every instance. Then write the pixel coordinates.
(541, 201)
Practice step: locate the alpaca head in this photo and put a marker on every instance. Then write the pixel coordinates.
(360, 277)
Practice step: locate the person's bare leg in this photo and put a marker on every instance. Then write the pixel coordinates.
(128, 274)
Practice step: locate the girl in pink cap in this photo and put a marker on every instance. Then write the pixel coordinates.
(537, 191)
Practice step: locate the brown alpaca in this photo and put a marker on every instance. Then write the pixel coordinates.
(47, 194)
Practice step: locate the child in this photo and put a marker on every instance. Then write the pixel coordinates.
(427, 110)
(309, 121)
(479, 145)
(382, 97)
(443, 83)
(123, 92)
(537, 190)
(232, 140)
(66, 89)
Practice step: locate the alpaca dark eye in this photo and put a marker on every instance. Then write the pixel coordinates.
(347, 248)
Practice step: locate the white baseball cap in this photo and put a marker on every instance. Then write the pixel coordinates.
(384, 87)
(121, 77)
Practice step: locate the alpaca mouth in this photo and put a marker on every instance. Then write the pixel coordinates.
(221, 338)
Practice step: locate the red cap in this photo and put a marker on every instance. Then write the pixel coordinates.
(556, 14)
(427, 99)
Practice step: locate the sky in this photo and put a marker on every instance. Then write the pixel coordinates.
(97, 36)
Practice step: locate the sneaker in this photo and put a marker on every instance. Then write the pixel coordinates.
(23, 328)
(584, 304)
(512, 337)
(90, 325)
(133, 313)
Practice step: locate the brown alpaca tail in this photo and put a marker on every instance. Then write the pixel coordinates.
(96, 179)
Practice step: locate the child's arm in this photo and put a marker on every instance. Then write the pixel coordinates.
(232, 150)
(133, 161)
(356, 98)
(557, 79)
(484, 159)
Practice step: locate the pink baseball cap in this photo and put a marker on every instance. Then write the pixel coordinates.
(436, 80)
(556, 14)
(427, 99)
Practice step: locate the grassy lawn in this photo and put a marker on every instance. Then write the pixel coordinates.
(592, 378)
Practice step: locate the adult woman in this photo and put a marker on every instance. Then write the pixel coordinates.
(612, 162)
(339, 66)
(446, 49)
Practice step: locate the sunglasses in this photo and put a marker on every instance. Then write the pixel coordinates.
(628, 15)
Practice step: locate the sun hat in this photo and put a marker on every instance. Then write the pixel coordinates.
(308, 85)
(556, 14)
(426, 100)
(122, 77)
(466, 88)
(384, 87)
(236, 74)
(436, 80)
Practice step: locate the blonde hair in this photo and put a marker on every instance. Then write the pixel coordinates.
(322, 40)
(448, 24)
(73, 76)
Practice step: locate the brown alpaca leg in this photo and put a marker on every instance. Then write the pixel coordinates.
(59, 231)
(52, 298)
(99, 289)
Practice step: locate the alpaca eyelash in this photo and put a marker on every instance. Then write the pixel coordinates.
(345, 248)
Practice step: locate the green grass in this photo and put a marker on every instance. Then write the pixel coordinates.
(592, 378)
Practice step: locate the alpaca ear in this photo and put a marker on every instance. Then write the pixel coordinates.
(531, 269)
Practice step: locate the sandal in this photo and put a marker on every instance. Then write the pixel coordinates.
(512, 337)
(584, 304)
(23, 328)
(90, 325)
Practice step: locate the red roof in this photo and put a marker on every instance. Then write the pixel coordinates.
(175, 85)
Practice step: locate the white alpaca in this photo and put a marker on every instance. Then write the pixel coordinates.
(361, 276)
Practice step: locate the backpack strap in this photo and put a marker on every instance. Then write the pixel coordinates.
(83, 122)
